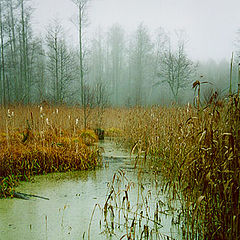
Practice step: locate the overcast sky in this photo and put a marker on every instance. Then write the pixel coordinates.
(211, 25)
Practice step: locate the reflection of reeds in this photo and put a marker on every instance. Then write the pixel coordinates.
(38, 140)
(128, 217)
(46, 227)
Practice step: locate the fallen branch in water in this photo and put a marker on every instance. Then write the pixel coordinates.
(27, 196)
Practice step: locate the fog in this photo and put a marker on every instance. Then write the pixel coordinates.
(99, 53)
(211, 25)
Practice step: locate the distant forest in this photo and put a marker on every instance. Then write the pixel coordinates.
(114, 68)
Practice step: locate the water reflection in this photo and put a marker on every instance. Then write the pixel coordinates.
(72, 198)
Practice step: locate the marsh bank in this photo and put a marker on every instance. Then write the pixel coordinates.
(72, 197)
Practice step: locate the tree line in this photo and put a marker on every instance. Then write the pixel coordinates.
(115, 67)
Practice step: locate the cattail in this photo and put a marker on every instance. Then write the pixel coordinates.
(188, 107)
(77, 148)
(47, 122)
(42, 133)
(41, 109)
(8, 113)
(69, 117)
(76, 121)
(57, 111)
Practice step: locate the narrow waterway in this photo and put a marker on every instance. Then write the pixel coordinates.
(72, 197)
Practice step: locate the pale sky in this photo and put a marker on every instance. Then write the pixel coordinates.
(211, 25)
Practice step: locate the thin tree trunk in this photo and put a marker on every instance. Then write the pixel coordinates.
(14, 53)
(21, 85)
(2, 60)
(81, 54)
(83, 99)
(56, 70)
(24, 53)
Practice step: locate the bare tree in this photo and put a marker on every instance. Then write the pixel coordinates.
(18, 52)
(3, 77)
(25, 42)
(59, 61)
(101, 101)
(176, 69)
(89, 101)
(14, 62)
(40, 72)
(116, 50)
(97, 74)
(53, 38)
(141, 54)
(82, 6)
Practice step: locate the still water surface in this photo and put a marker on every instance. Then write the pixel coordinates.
(72, 198)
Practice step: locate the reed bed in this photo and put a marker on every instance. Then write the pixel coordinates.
(197, 154)
(43, 139)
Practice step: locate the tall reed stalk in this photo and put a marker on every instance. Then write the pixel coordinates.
(198, 155)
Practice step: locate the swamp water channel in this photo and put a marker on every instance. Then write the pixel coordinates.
(96, 204)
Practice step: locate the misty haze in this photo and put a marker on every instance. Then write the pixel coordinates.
(119, 119)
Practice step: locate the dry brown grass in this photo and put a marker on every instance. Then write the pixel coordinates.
(37, 140)
(198, 154)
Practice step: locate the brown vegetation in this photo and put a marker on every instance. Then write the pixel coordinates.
(198, 154)
(37, 140)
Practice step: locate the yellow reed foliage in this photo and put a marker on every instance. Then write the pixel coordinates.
(35, 140)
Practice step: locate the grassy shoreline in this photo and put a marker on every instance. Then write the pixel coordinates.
(196, 152)
(36, 141)
(198, 155)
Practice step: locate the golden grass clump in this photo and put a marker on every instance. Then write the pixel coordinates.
(36, 141)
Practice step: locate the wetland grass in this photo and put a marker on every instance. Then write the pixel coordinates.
(132, 210)
(39, 140)
(194, 154)
(197, 153)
